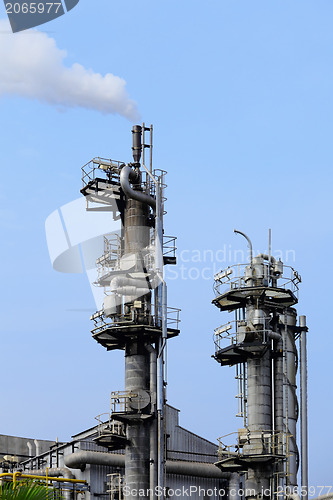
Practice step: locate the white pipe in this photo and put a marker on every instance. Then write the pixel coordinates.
(29, 445)
(37, 447)
(133, 291)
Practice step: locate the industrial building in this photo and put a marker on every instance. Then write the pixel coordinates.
(139, 448)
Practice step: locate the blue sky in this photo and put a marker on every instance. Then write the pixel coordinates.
(240, 95)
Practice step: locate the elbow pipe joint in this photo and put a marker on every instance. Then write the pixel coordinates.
(128, 175)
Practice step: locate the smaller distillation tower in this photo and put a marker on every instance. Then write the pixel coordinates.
(134, 317)
(261, 343)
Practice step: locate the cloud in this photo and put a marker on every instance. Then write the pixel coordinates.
(32, 66)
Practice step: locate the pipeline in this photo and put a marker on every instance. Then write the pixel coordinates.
(153, 425)
(52, 472)
(55, 472)
(81, 458)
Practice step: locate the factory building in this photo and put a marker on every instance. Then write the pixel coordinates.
(189, 463)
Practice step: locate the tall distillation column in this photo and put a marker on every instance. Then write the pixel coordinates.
(133, 316)
(262, 346)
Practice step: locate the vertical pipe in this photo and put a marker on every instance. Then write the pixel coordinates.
(161, 299)
(273, 388)
(290, 403)
(304, 408)
(160, 361)
(160, 390)
(143, 142)
(151, 150)
(153, 425)
(269, 254)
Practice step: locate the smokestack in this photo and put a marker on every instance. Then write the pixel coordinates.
(137, 145)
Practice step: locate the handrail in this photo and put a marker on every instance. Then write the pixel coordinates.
(18, 474)
(102, 323)
(233, 277)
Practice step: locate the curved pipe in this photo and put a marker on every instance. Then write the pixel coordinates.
(267, 257)
(37, 447)
(249, 242)
(52, 472)
(274, 335)
(127, 175)
(81, 458)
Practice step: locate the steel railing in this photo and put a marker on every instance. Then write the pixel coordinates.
(233, 277)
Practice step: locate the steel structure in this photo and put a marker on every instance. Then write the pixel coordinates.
(134, 317)
(261, 343)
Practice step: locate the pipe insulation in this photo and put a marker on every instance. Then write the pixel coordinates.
(124, 281)
(199, 469)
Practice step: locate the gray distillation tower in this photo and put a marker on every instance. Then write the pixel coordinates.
(261, 343)
(135, 317)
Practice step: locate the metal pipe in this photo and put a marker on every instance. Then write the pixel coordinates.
(52, 472)
(264, 256)
(153, 425)
(54, 478)
(45, 474)
(160, 389)
(37, 446)
(137, 144)
(249, 242)
(29, 445)
(162, 307)
(55, 472)
(81, 458)
(304, 407)
(274, 335)
(126, 175)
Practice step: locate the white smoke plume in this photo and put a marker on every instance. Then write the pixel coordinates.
(32, 66)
